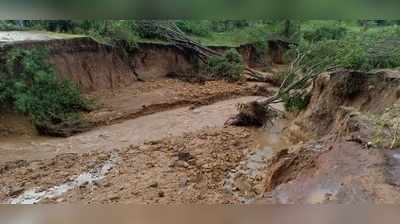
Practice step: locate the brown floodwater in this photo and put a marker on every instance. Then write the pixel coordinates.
(130, 132)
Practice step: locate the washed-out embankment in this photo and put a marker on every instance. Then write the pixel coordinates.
(346, 151)
(95, 66)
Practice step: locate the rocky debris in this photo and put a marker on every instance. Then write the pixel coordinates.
(215, 152)
(15, 191)
(24, 175)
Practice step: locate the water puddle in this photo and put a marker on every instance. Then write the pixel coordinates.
(34, 195)
(396, 156)
(244, 182)
(241, 181)
(321, 196)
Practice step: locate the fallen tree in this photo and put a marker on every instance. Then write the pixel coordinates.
(170, 32)
(296, 83)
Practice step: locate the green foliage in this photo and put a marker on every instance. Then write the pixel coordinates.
(253, 32)
(290, 30)
(30, 85)
(361, 50)
(230, 66)
(260, 50)
(330, 30)
(191, 27)
(296, 103)
(6, 25)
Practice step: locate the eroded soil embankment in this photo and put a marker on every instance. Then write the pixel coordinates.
(96, 66)
(345, 163)
(89, 64)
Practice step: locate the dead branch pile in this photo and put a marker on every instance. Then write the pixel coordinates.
(169, 31)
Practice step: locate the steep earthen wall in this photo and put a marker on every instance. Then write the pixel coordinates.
(91, 65)
(95, 66)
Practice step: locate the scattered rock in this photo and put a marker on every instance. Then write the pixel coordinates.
(181, 164)
(114, 197)
(154, 185)
(185, 156)
(16, 191)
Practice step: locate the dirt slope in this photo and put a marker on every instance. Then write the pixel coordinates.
(96, 66)
(345, 163)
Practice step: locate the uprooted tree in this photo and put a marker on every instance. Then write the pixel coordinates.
(257, 113)
(169, 31)
(296, 84)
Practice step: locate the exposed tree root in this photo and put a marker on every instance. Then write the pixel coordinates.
(296, 83)
(253, 114)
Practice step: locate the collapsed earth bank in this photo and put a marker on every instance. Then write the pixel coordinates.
(353, 154)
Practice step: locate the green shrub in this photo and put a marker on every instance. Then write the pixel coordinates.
(358, 50)
(296, 103)
(29, 85)
(6, 25)
(229, 67)
(198, 28)
(325, 31)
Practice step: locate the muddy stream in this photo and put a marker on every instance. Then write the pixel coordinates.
(239, 182)
(131, 132)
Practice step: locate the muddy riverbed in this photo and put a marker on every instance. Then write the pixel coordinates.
(130, 132)
(187, 155)
(218, 165)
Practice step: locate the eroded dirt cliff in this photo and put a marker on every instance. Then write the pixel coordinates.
(352, 156)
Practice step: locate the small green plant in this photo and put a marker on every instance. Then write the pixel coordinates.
(30, 85)
(296, 103)
(229, 67)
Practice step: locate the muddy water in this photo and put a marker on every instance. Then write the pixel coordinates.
(131, 132)
(244, 181)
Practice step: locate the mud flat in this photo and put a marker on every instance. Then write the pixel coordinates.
(192, 168)
(201, 161)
